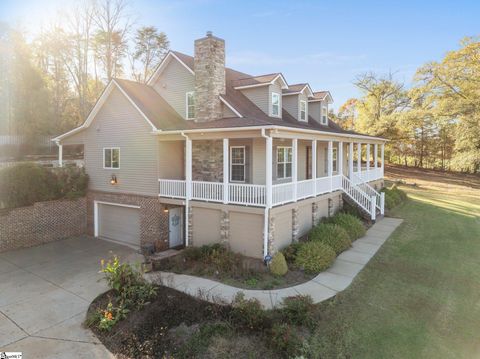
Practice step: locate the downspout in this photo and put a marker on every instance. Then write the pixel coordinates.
(187, 188)
(267, 203)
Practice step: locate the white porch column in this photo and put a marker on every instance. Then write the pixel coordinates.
(60, 155)
(294, 167)
(226, 168)
(340, 158)
(350, 160)
(268, 171)
(268, 192)
(330, 162)
(314, 166)
(188, 183)
(359, 158)
(368, 159)
(383, 158)
(375, 156)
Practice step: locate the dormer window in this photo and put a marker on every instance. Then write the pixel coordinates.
(275, 104)
(324, 115)
(303, 110)
(190, 105)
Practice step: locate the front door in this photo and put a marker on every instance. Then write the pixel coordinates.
(176, 227)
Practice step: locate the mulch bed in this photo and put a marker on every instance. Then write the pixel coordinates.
(150, 332)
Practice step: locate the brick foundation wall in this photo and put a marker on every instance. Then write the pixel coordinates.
(154, 222)
(42, 223)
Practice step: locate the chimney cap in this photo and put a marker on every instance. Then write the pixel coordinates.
(209, 33)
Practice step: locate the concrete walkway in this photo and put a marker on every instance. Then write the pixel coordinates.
(45, 292)
(323, 286)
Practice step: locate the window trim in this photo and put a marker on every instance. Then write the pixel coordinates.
(187, 105)
(111, 148)
(284, 163)
(300, 111)
(326, 115)
(237, 164)
(279, 115)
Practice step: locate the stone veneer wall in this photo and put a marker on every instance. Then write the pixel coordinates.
(42, 223)
(209, 67)
(154, 222)
(207, 160)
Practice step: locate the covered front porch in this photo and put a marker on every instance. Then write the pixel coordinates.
(267, 169)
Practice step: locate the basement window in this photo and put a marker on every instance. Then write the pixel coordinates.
(111, 158)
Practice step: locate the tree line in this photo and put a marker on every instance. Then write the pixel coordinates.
(435, 123)
(50, 81)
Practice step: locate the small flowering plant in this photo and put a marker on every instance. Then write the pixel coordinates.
(110, 316)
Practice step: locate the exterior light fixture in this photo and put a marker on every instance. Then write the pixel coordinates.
(113, 180)
(165, 209)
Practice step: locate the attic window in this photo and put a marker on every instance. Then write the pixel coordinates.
(275, 104)
(324, 115)
(190, 105)
(303, 110)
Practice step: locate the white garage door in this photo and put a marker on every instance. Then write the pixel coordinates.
(119, 223)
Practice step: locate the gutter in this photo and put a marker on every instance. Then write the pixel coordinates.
(269, 127)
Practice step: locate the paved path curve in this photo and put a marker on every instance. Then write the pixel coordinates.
(323, 286)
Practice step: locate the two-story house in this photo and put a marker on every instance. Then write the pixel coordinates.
(203, 154)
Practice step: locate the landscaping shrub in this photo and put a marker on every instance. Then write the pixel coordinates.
(349, 223)
(296, 309)
(248, 313)
(290, 252)
(285, 340)
(27, 183)
(393, 196)
(332, 235)
(278, 265)
(129, 286)
(314, 257)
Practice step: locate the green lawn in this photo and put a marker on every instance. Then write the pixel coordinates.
(419, 297)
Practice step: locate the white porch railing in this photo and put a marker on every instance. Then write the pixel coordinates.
(255, 195)
(207, 191)
(361, 198)
(370, 191)
(172, 188)
(366, 176)
(246, 194)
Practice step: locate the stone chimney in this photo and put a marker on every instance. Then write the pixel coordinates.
(209, 67)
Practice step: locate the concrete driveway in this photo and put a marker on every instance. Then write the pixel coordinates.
(45, 292)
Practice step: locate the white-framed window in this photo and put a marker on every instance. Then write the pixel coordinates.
(111, 158)
(303, 110)
(334, 160)
(190, 105)
(324, 115)
(237, 163)
(284, 162)
(276, 106)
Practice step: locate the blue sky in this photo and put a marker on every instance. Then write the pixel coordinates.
(325, 43)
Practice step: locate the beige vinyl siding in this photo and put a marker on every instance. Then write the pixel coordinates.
(283, 229)
(246, 234)
(206, 226)
(302, 159)
(314, 110)
(321, 168)
(171, 159)
(119, 124)
(290, 104)
(258, 161)
(304, 219)
(259, 96)
(173, 83)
